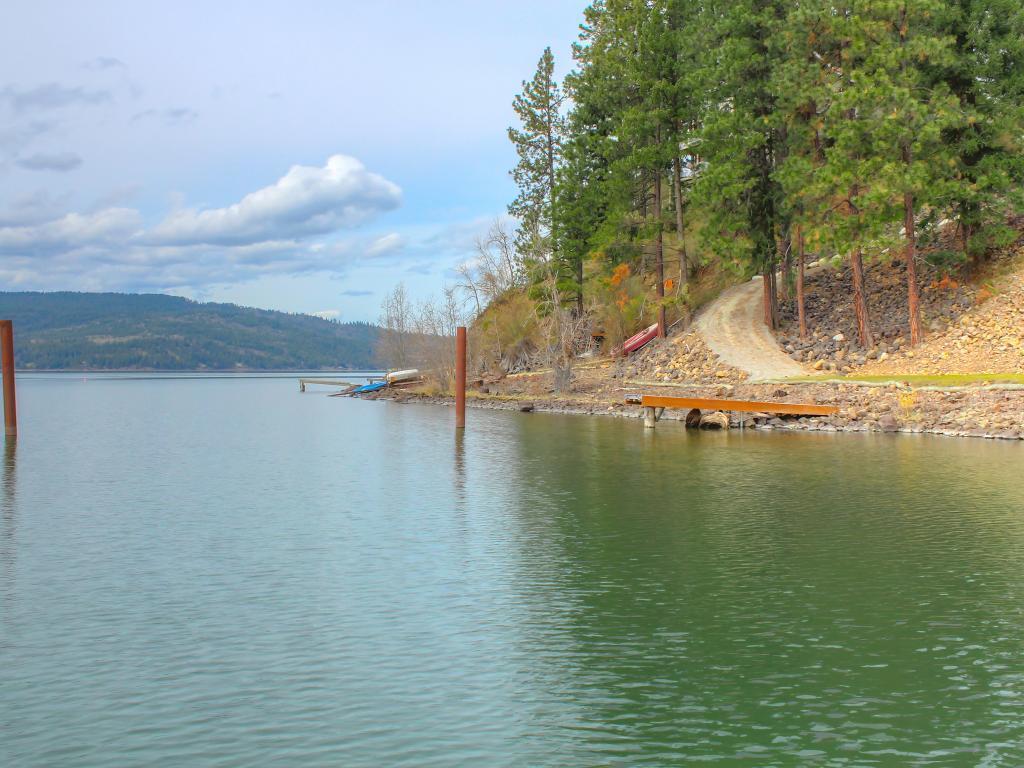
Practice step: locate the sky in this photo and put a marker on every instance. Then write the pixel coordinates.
(300, 156)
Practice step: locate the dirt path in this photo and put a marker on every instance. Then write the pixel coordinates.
(732, 326)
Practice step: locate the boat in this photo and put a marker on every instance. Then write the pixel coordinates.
(396, 377)
(366, 388)
(638, 340)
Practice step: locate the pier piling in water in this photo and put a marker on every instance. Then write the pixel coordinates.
(7, 365)
(460, 377)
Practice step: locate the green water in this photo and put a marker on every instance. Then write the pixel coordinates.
(226, 572)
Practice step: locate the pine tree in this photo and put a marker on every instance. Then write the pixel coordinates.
(847, 220)
(806, 85)
(621, 99)
(986, 75)
(918, 111)
(738, 189)
(538, 142)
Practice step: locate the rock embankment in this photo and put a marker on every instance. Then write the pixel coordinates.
(684, 357)
(987, 412)
(832, 343)
(989, 339)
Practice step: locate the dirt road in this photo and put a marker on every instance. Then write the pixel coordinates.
(732, 326)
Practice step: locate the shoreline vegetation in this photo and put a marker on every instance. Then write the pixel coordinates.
(862, 165)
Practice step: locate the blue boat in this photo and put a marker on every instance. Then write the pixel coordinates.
(375, 387)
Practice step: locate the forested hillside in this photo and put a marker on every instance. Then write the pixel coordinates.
(692, 143)
(59, 331)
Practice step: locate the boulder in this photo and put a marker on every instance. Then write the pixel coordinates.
(693, 418)
(716, 420)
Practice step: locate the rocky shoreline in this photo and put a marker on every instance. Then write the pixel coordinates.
(970, 326)
(992, 412)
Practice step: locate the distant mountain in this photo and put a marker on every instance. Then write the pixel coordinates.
(76, 331)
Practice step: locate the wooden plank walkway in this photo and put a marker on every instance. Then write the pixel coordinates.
(745, 406)
(653, 406)
(325, 382)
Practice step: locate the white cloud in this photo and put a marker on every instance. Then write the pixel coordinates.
(111, 226)
(386, 245)
(170, 117)
(288, 228)
(327, 314)
(305, 201)
(105, 62)
(62, 162)
(50, 96)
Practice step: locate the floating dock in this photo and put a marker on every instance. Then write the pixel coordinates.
(654, 404)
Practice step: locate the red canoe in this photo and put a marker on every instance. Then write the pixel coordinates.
(636, 341)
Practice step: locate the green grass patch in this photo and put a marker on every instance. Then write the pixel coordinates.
(920, 379)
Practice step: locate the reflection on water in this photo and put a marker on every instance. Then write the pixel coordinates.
(8, 520)
(225, 571)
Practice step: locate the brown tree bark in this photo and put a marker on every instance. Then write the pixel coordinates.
(766, 304)
(579, 290)
(771, 304)
(786, 260)
(800, 311)
(677, 168)
(860, 304)
(659, 254)
(776, 320)
(913, 297)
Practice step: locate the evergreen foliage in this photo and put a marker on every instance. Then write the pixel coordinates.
(857, 128)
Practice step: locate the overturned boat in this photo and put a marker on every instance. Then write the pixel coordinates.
(401, 377)
(638, 340)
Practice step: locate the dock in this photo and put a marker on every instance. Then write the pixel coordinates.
(653, 405)
(325, 382)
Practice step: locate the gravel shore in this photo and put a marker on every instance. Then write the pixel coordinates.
(993, 412)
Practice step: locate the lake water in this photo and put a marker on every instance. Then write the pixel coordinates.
(224, 572)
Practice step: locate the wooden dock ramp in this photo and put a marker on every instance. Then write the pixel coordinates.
(325, 382)
(653, 405)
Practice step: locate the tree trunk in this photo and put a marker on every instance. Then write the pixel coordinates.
(771, 304)
(579, 288)
(786, 260)
(913, 298)
(766, 304)
(775, 297)
(678, 172)
(659, 255)
(860, 304)
(800, 312)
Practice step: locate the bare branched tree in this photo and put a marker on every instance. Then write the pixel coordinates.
(566, 330)
(495, 269)
(434, 336)
(396, 323)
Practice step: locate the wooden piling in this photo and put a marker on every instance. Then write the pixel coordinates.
(7, 365)
(460, 377)
(650, 418)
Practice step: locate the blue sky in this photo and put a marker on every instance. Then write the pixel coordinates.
(302, 156)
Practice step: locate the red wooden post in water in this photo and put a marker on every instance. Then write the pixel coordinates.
(7, 364)
(460, 377)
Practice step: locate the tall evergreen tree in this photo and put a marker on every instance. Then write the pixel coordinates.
(740, 140)
(538, 143)
(986, 74)
(917, 111)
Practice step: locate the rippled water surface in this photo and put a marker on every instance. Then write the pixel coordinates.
(226, 572)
